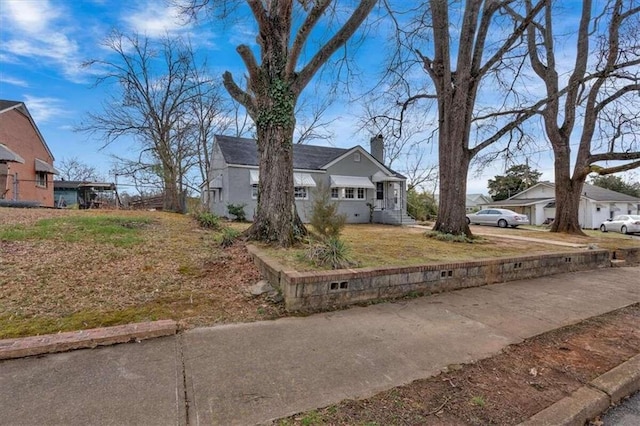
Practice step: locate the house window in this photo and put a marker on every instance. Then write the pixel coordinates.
(356, 157)
(335, 193)
(254, 192)
(41, 179)
(300, 192)
(361, 193)
(349, 193)
(379, 191)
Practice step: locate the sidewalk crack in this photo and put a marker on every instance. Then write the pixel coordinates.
(184, 378)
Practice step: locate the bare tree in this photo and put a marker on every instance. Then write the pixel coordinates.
(405, 141)
(274, 85)
(154, 87)
(462, 49)
(601, 108)
(208, 114)
(312, 126)
(73, 169)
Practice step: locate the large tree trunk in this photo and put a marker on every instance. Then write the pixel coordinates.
(172, 196)
(454, 167)
(568, 191)
(171, 201)
(276, 217)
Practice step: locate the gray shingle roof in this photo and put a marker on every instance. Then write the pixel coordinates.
(4, 104)
(603, 194)
(243, 151)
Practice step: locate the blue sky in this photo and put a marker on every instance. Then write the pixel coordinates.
(44, 42)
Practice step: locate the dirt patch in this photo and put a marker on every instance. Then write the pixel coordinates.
(503, 390)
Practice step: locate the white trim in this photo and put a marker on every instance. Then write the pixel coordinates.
(338, 181)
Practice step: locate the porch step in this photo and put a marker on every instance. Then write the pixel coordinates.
(397, 218)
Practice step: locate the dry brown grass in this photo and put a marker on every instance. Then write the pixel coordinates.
(176, 271)
(385, 245)
(169, 267)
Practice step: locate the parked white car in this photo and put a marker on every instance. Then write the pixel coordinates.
(624, 223)
(497, 217)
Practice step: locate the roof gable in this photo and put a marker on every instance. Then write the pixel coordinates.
(7, 105)
(370, 157)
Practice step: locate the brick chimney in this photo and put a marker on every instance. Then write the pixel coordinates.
(377, 148)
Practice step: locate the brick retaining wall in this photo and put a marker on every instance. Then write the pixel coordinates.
(312, 291)
(631, 256)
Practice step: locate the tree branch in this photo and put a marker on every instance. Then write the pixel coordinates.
(617, 169)
(338, 40)
(309, 23)
(239, 95)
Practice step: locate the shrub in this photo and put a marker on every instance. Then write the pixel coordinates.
(228, 236)
(451, 238)
(324, 214)
(421, 205)
(330, 252)
(237, 210)
(207, 220)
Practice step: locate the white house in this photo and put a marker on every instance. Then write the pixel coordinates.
(361, 184)
(475, 201)
(596, 204)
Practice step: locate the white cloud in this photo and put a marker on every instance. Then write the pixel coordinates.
(32, 16)
(44, 109)
(155, 19)
(37, 31)
(14, 81)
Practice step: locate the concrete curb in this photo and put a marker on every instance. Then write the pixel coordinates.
(62, 342)
(593, 399)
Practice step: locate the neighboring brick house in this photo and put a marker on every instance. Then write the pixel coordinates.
(26, 163)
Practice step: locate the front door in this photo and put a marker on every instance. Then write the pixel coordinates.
(380, 196)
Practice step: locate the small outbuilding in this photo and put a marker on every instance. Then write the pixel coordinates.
(86, 195)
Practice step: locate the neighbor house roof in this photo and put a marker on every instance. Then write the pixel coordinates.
(519, 201)
(7, 105)
(591, 192)
(75, 184)
(244, 152)
(603, 194)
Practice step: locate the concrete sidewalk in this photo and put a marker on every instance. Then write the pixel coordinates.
(251, 373)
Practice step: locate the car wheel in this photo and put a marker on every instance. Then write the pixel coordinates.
(502, 223)
(623, 229)
(468, 221)
(603, 228)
